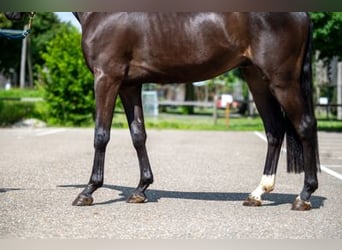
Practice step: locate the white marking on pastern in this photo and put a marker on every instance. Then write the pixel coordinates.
(266, 185)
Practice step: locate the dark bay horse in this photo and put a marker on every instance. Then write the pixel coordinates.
(273, 51)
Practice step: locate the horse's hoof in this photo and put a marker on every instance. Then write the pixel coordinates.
(252, 202)
(83, 200)
(300, 205)
(137, 198)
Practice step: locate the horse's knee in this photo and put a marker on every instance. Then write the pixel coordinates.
(138, 134)
(101, 138)
(274, 140)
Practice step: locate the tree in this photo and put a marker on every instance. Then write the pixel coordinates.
(327, 34)
(44, 26)
(9, 49)
(67, 82)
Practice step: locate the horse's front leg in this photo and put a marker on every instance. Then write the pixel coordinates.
(131, 100)
(273, 120)
(105, 95)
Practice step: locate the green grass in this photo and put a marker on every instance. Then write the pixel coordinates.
(18, 93)
(12, 111)
(194, 122)
(329, 125)
(198, 122)
(204, 123)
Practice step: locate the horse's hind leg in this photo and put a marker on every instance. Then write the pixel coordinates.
(106, 91)
(302, 147)
(131, 99)
(272, 117)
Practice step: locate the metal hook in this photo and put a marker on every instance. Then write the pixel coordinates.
(31, 15)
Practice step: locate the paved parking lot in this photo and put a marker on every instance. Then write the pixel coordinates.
(201, 179)
(330, 150)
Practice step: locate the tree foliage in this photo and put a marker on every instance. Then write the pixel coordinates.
(9, 49)
(67, 82)
(44, 26)
(327, 34)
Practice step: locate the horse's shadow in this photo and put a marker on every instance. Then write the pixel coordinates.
(154, 195)
(5, 190)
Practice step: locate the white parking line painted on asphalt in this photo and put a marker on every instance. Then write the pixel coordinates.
(323, 168)
(331, 172)
(50, 132)
(333, 166)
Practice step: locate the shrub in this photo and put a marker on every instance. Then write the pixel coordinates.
(67, 82)
(13, 111)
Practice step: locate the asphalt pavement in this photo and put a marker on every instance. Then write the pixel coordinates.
(201, 180)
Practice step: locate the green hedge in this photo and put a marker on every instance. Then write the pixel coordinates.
(13, 110)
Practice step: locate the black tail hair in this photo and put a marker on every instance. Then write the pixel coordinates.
(295, 156)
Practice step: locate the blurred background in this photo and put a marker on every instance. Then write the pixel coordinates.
(44, 82)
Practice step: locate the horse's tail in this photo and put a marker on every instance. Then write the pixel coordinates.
(295, 156)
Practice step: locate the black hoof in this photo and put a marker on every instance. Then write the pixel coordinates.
(83, 200)
(299, 205)
(137, 198)
(251, 202)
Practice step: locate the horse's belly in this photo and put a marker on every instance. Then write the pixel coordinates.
(183, 70)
